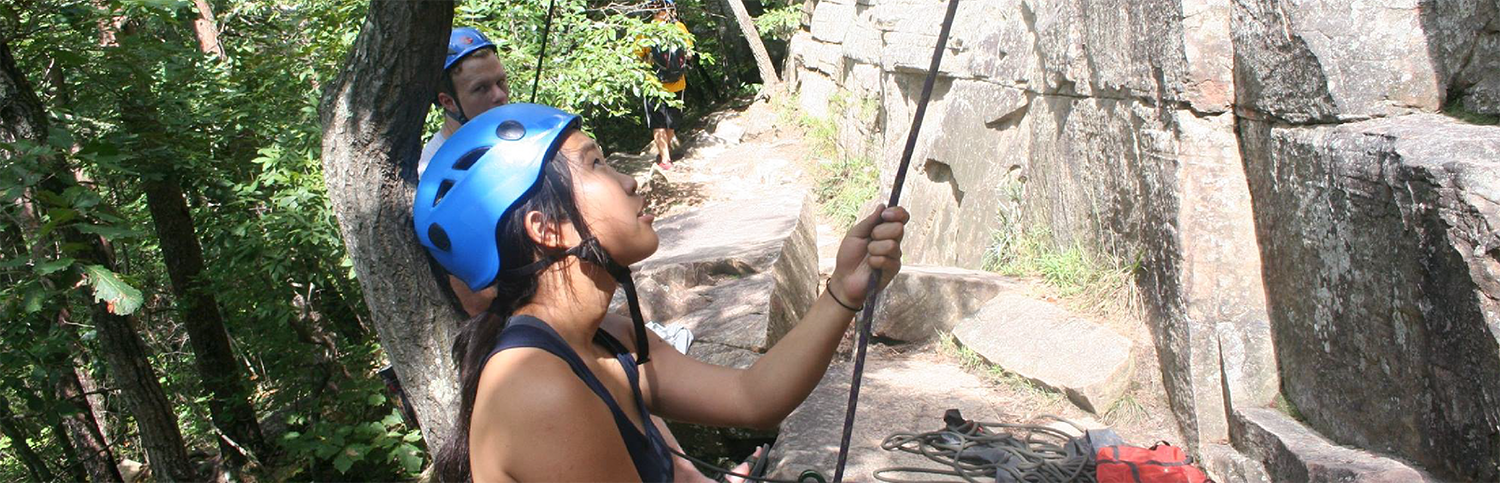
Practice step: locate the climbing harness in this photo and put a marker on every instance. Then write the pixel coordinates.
(1002, 452)
(867, 316)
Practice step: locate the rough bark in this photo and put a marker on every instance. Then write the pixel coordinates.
(82, 429)
(228, 390)
(372, 117)
(206, 29)
(23, 118)
(763, 63)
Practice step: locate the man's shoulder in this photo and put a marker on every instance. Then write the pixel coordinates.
(430, 149)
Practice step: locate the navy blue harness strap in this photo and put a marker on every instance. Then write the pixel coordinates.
(649, 450)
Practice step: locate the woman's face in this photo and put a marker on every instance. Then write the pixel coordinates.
(608, 202)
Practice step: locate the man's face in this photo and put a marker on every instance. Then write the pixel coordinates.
(481, 84)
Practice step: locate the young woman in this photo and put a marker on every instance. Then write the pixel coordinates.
(554, 388)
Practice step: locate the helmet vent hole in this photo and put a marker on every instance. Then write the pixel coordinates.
(439, 237)
(442, 191)
(469, 159)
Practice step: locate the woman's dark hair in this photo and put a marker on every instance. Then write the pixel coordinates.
(553, 198)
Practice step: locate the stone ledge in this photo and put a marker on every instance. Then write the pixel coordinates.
(1049, 346)
(925, 300)
(1292, 452)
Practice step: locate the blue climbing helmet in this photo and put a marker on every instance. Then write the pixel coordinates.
(481, 173)
(463, 41)
(476, 177)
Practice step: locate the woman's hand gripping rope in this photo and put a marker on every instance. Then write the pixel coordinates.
(873, 243)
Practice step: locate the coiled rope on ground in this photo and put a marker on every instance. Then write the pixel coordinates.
(976, 451)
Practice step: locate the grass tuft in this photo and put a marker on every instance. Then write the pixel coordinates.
(973, 362)
(846, 180)
(1455, 109)
(1088, 282)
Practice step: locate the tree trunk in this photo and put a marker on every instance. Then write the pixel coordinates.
(228, 391)
(21, 443)
(94, 454)
(22, 117)
(769, 80)
(207, 29)
(82, 429)
(371, 140)
(81, 432)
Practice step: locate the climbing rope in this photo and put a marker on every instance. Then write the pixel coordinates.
(976, 451)
(868, 315)
(536, 83)
(808, 476)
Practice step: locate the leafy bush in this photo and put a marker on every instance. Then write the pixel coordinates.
(779, 23)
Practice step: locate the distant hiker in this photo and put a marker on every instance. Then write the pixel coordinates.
(670, 64)
(475, 81)
(553, 387)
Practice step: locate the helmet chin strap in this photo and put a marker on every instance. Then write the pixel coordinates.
(456, 116)
(590, 251)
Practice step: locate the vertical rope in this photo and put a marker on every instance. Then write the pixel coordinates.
(867, 316)
(536, 83)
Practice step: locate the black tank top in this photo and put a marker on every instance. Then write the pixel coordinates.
(648, 451)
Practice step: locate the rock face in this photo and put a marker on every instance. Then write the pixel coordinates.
(1138, 128)
(1108, 123)
(1380, 241)
(1292, 453)
(1049, 346)
(923, 300)
(717, 264)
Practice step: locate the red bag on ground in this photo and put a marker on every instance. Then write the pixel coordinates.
(1162, 463)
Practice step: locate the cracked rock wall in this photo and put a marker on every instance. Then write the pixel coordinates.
(1106, 122)
(1130, 126)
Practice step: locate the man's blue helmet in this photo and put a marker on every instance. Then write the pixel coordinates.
(462, 42)
(479, 174)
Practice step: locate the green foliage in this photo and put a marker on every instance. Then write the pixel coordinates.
(371, 446)
(138, 102)
(1089, 281)
(1457, 110)
(594, 62)
(846, 179)
(779, 23)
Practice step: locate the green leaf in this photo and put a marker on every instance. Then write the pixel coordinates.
(342, 463)
(412, 436)
(13, 263)
(411, 459)
(109, 232)
(53, 266)
(120, 297)
(375, 399)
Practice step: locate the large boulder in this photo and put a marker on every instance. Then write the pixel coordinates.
(1379, 240)
(1106, 123)
(924, 301)
(1045, 344)
(1292, 452)
(752, 261)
